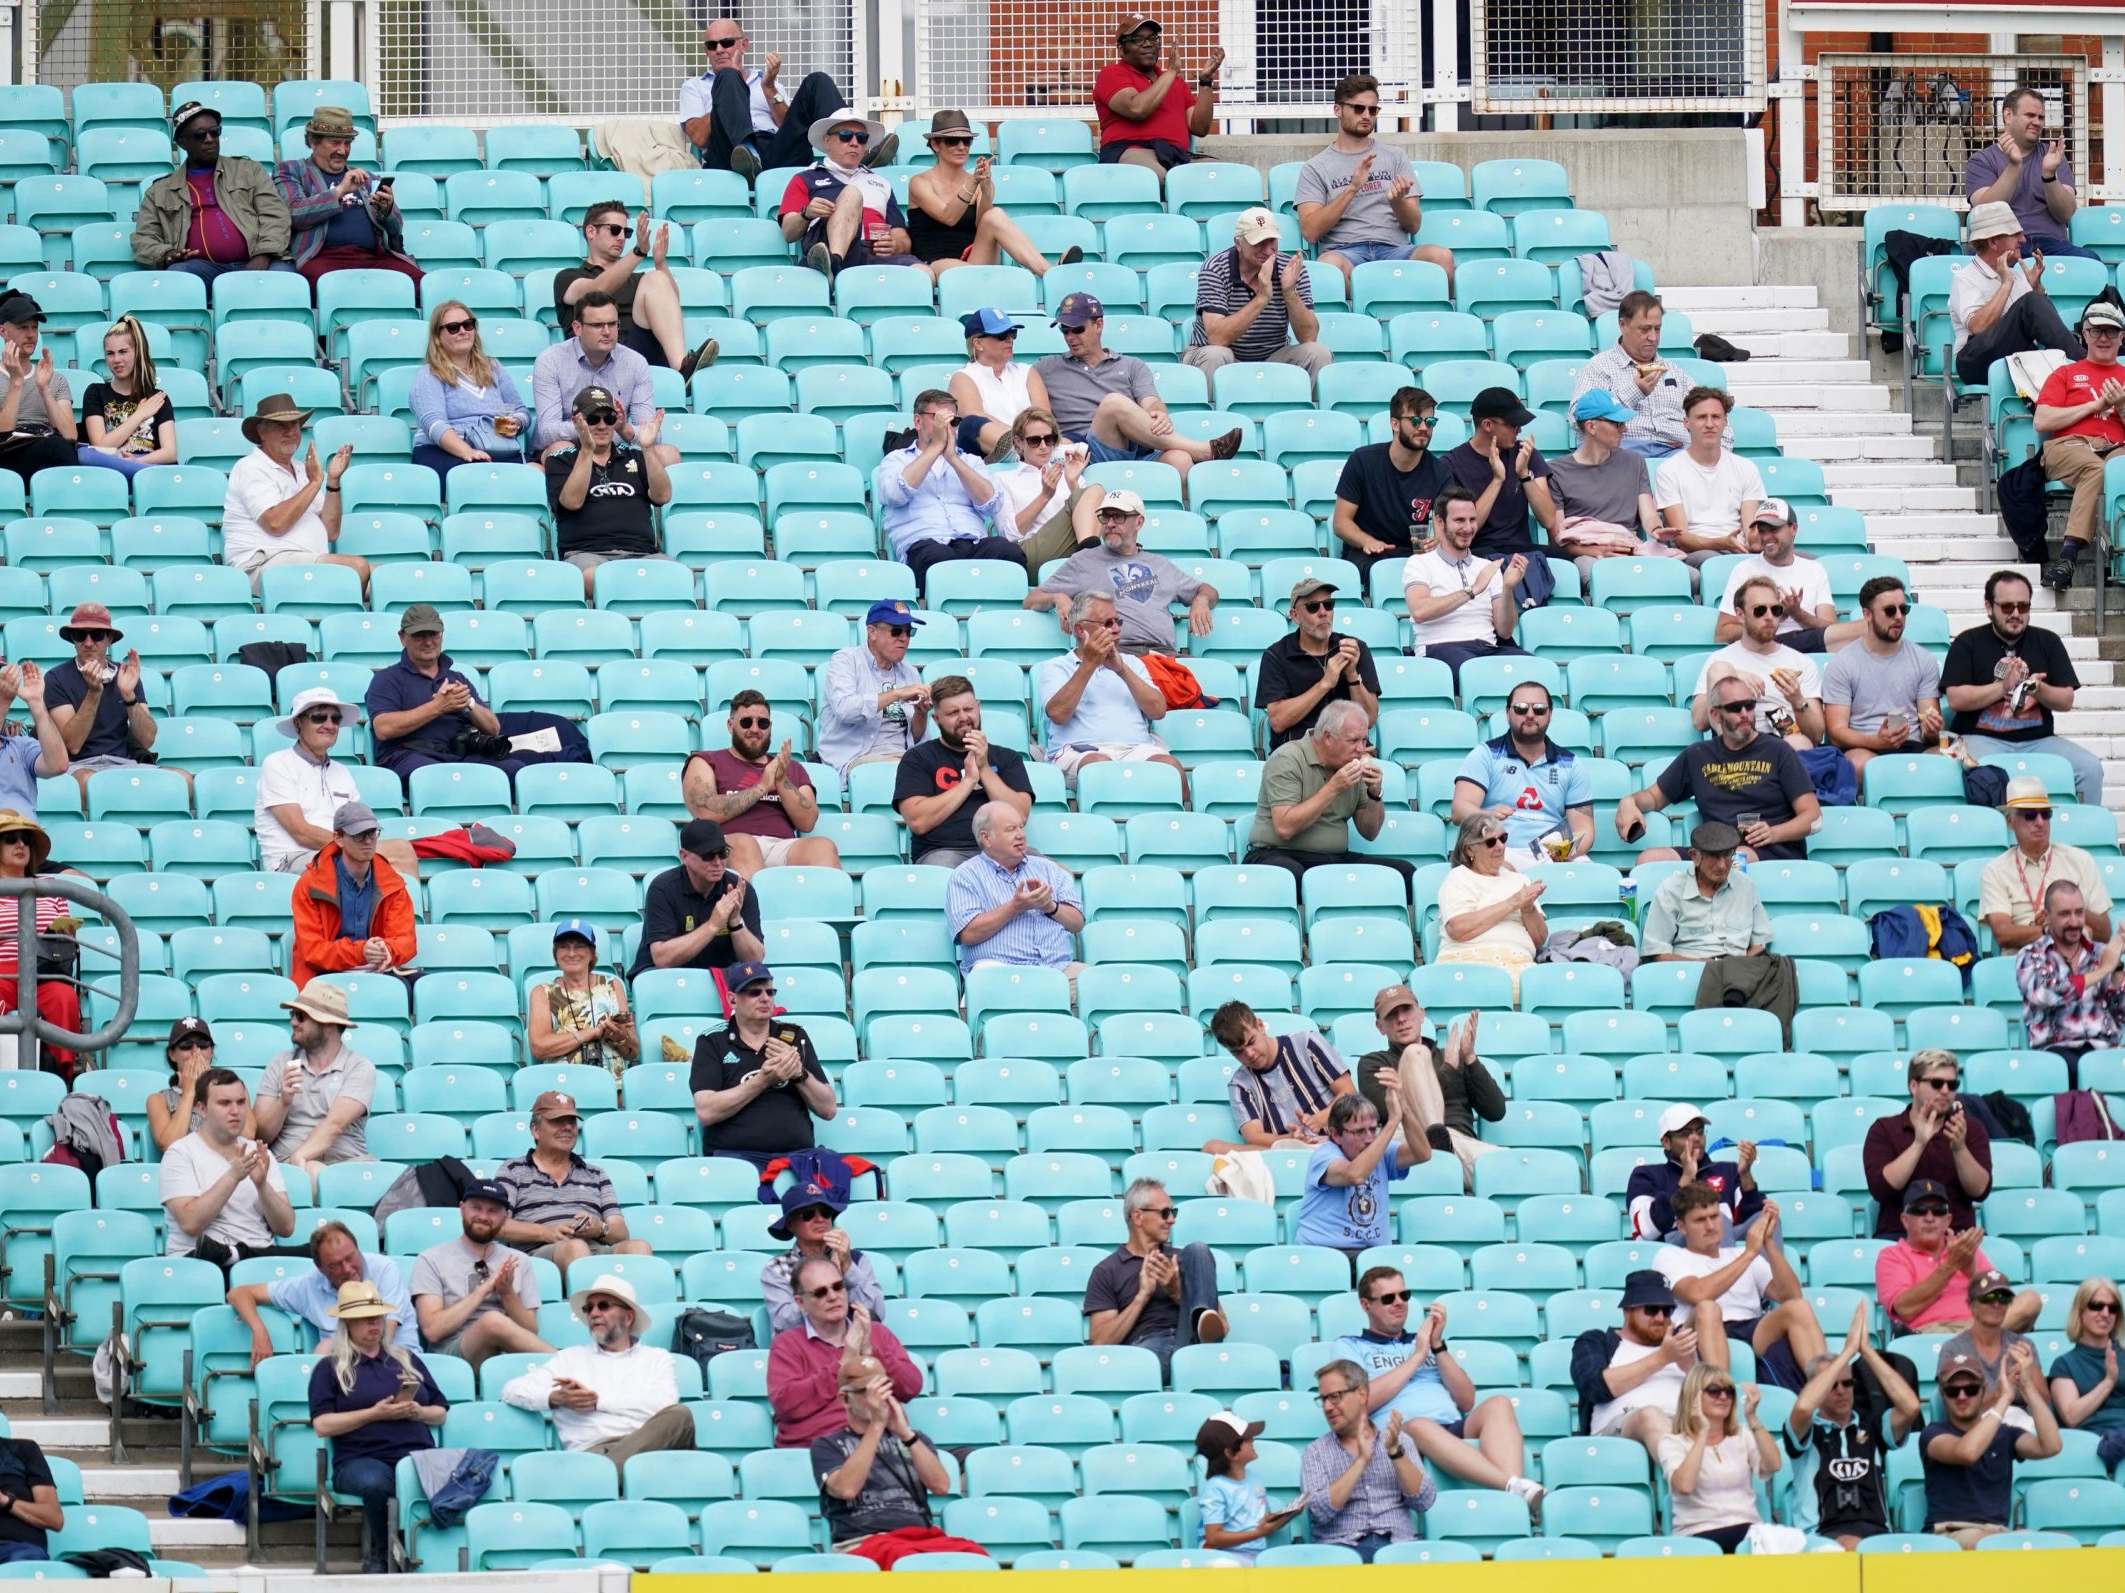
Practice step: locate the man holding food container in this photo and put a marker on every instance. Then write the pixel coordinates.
(1313, 791)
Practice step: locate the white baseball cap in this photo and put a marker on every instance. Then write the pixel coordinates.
(1679, 1117)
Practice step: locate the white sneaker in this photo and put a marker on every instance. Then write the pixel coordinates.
(1524, 1489)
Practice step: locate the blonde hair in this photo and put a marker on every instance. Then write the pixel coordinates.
(1693, 1386)
(143, 378)
(344, 1357)
(2081, 1296)
(478, 366)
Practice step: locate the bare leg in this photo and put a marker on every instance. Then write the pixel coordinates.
(657, 312)
(1175, 765)
(745, 855)
(1859, 758)
(567, 1252)
(842, 224)
(1711, 1335)
(354, 562)
(1496, 1431)
(1442, 258)
(1337, 262)
(997, 231)
(1119, 420)
(1463, 1459)
(2021, 1316)
(818, 852)
(633, 1247)
(590, 583)
(1795, 1323)
(938, 268)
(1147, 160)
(1836, 636)
(1647, 1427)
(496, 1334)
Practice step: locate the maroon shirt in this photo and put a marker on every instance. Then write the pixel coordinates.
(1889, 1137)
(764, 818)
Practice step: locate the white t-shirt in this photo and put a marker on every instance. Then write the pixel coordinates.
(1726, 1482)
(1805, 574)
(1710, 500)
(1439, 575)
(190, 1168)
(1659, 1392)
(1743, 1301)
(257, 484)
(288, 776)
(1759, 666)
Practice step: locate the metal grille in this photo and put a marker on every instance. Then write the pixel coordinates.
(1574, 57)
(580, 61)
(1898, 129)
(97, 41)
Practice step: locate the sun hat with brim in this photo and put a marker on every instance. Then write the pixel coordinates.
(89, 617)
(826, 124)
(12, 822)
(612, 1287)
(330, 121)
(1644, 1288)
(1993, 219)
(322, 1002)
(2027, 791)
(358, 1299)
(803, 1197)
(316, 697)
(277, 407)
(948, 122)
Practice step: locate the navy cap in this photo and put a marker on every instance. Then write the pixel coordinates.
(740, 974)
(1500, 403)
(986, 322)
(1076, 310)
(703, 838)
(486, 1189)
(891, 611)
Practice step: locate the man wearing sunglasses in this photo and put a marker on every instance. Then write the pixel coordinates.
(1151, 110)
(2073, 993)
(736, 115)
(757, 1082)
(1145, 586)
(1097, 704)
(1314, 666)
(1810, 623)
(1933, 1141)
(651, 320)
(810, 1225)
(2006, 679)
(838, 1340)
(764, 800)
(1970, 1456)
(1839, 1447)
(616, 1396)
(604, 492)
(1648, 1195)
(300, 787)
(936, 505)
(1738, 776)
(1384, 495)
(1462, 604)
(1540, 791)
(1922, 1281)
(2012, 888)
(873, 705)
(1786, 684)
(1881, 693)
(1630, 1378)
(841, 211)
(97, 706)
(1148, 1293)
(1358, 200)
(2080, 414)
(701, 914)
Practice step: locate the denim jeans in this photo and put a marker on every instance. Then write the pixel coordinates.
(370, 1481)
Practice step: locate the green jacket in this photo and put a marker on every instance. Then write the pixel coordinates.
(248, 198)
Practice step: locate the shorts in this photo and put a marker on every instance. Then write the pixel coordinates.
(644, 342)
(1365, 253)
(590, 561)
(1456, 1428)
(546, 1252)
(1808, 639)
(774, 849)
(289, 862)
(860, 252)
(1068, 758)
(257, 565)
(1115, 453)
(108, 760)
(1851, 1529)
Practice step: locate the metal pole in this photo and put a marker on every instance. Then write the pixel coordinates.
(25, 1021)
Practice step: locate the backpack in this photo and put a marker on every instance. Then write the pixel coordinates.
(438, 1183)
(701, 1335)
(2003, 1116)
(2083, 1115)
(85, 1134)
(1924, 930)
(2020, 495)
(1985, 786)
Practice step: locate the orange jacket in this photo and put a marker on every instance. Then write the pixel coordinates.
(319, 946)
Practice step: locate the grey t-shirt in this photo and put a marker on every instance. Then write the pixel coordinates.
(446, 1271)
(32, 412)
(1607, 491)
(1370, 219)
(1143, 585)
(1874, 687)
(350, 1074)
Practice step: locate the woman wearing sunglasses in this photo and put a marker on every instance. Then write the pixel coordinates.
(2084, 1380)
(1711, 1464)
(465, 407)
(174, 1112)
(953, 217)
(1487, 910)
(1046, 508)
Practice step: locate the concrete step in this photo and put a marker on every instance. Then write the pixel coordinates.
(1889, 451)
(1779, 392)
(1738, 323)
(1838, 367)
(1893, 500)
(1797, 423)
(1910, 473)
(63, 1432)
(1697, 301)
(1947, 524)
(1920, 549)
(1769, 344)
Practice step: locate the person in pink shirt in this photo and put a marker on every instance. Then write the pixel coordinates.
(805, 1364)
(1923, 1280)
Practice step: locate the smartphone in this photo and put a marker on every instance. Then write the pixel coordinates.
(386, 182)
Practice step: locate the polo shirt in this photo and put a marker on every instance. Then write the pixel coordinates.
(1973, 287)
(2078, 383)
(1032, 939)
(534, 1196)
(310, 1296)
(1424, 1395)
(1983, 169)
(292, 778)
(445, 1273)
(1169, 123)
(1112, 1286)
(2014, 884)
(376, 1380)
(349, 1073)
(930, 767)
(64, 686)
(672, 907)
(1293, 774)
(1107, 714)
(18, 772)
(258, 483)
(776, 1121)
(398, 687)
(1075, 388)
(1541, 793)
(1974, 659)
(616, 512)
(1288, 670)
(1682, 920)
(1220, 290)
(23, 1471)
(1901, 1265)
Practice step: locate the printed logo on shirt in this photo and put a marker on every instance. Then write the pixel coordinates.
(1135, 581)
(612, 489)
(1363, 1208)
(1851, 1468)
(1736, 774)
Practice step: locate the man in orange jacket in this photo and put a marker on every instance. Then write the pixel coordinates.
(351, 909)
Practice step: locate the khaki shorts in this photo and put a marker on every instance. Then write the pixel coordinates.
(1067, 759)
(774, 851)
(258, 564)
(590, 561)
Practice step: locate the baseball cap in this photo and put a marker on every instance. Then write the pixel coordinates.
(355, 818)
(1307, 585)
(591, 399)
(986, 322)
(1713, 836)
(189, 1029)
(2099, 313)
(1226, 1423)
(702, 837)
(1392, 997)
(1134, 21)
(190, 111)
(1773, 511)
(1598, 403)
(486, 1189)
(1924, 1189)
(19, 309)
(1255, 226)
(1990, 1281)
(419, 619)
(1123, 502)
(740, 974)
(1679, 1117)
(1961, 1369)
(554, 1103)
(581, 928)
(1078, 309)
(1500, 403)
(891, 611)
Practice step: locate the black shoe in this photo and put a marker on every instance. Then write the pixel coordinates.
(700, 359)
(1071, 255)
(2058, 574)
(888, 149)
(745, 163)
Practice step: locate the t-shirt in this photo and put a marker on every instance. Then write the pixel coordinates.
(190, 1168)
(1873, 687)
(881, 210)
(445, 1273)
(1288, 670)
(1143, 585)
(1506, 531)
(116, 408)
(929, 767)
(1388, 503)
(1762, 778)
(1658, 1392)
(1298, 1084)
(211, 232)
(1369, 218)
(2076, 384)
(1744, 1299)
(1107, 715)
(1803, 574)
(893, 1495)
(2085, 1367)
(1346, 1216)
(1293, 776)
(672, 907)
(623, 298)
(376, 1380)
(291, 778)
(1838, 1474)
(1608, 491)
(31, 411)
(1979, 1492)
(1423, 1395)
(1112, 1287)
(1710, 497)
(1438, 575)
(1725, 1495)
(616, 514)
(107, 737)
(1759, 666)
(23, 1471)
(776, 1120)
(1983, 169)
(1221, 290)
(1541, 793)
(1974, 659)
(1237, 1504)
(1169, 123)
(350, 1076)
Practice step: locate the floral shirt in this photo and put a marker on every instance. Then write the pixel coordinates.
(2060, 1005)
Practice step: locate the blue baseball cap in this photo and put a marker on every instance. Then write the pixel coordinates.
(581, 928)
(986, 322)
(1598, 403)
(891, 611)
(740, 974)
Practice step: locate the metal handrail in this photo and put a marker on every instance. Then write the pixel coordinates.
(25, 1019)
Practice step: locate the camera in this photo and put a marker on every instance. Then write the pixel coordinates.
(469, 744)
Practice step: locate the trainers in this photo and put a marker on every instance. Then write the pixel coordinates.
(1227, 446)
(1530, 1492)
(700, 359)
(1005, 446)
(1071, 255)
(745, 163)
(887, 151)
(1210, 1328)
(821, 259)
(2058, 574)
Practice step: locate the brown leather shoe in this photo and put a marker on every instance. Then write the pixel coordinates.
(1227, 446)
(1210, 1328)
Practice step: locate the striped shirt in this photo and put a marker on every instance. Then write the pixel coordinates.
(1030, 940)
(536, 1198)
(48, 908)
(1301, 1080)
(1219, 290)
(1377, 1506)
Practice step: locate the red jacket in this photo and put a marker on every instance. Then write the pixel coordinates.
(319, 947)
(804, 1381)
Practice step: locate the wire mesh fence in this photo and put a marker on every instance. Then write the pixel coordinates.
(1573, 57)
(122, 41)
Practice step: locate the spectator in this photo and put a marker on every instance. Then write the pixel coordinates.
(1997, 303)
(808, 1222)
(1711, 1465)
(2073, 996)
(1709, 911)
(1810, 623)
(592, 358)
(2011, 889)
(477, 1297)
(1969, 1457)
(1932, 1141)
(562, 1208)
(36, 404)
(26, 758)
(1509, 480)
(580, 1017)
(1234, 1511)
(127, 416)
(270, 516)
(96, 706)
(1445, 1089)
(1840, 1451)
(1740, 777)
(603, 493)
(1747, 1292)
(1358, 200)
(737, 116)
(765, 803)
(1487, 911)
(302, 786)
(2080, 414)
(2038, 190)
(2084, 1379)
(1344, 1206)
(341, 219)
(836, 1339)
(1253, 305)
(312, 1112)
(1707, 493)
(1110, 402)
(1462, 604)
(757, 1082)
(1360, 1482)
(616, 1396)
(1923, 1280)
(1540, 792)
(1881, 693)
(466, 409)
(2005, 679)
(935, 503)
(1989, 1340)
(215, 213)
(1150, 110)
(865, 1472)
(425, 710)
(350, 910)
(1010, 907)
(376, 1402)
(874, 706)
(24, 850)
(1632, 372)
(1384, 495)
(1630, 1379)
(224, 1194)
(1144, 586)
(992, 389)
(953, 217)
(1046, 508)
(1649, 1196)
(1148, 1293)
(1314, 792)
(652, 323)
(1284, 1084)
(1098, 703)
(1414, 1375)
(310, 1297)
(839, 210)
(32, 1501)
(1314, 667)
(1604, 492)
(174, 1112)
(944, 781)
(701, 914)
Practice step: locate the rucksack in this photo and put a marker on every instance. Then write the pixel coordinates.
(701, 1335)
(2003, 1116)
(2083, 1115)
(85, 1135)
(1925, 929)
(2020, 495)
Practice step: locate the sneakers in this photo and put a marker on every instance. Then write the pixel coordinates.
(1227, 446)
(821, 259)
(1210, 1328)
(1071, 255)
(700, 359)
(1529, 1492)
(1004, 447)
(2058, 574)
(745, 163)
(887, 151)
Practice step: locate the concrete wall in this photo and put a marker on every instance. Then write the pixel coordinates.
(1827, 257)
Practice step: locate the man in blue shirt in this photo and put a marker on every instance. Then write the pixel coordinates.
(1345, 1203)
(1541, 791)
(1007, 905)
(310, 1296)
(26, 759)
(1097, 703)
(422, 709)
(935, 503)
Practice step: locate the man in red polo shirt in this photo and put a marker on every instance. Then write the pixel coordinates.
(2080, 414)
(1148, 110)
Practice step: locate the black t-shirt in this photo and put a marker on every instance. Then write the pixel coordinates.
(777, 1120)
(1288, 670)
(1848, 1471)
(1762, 778)
(929, 767)
(1506, 531)
(1112, 1287)
(1390, 502)
(624, 300)
(1974, 659)
(893, 1495)
(1983, 1492)
(115, 409)
(22, 1472)
(672, 908)
(107, 737)
(615, 517)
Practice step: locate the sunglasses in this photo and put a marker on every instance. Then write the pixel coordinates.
(814, 1214)
(1719, 1391)
(194, 1043)
(1044, 440)
(1844, 1382)
(1759, 610)
(826, 1291)
(1657, 1310)
(1997, 1297)
(612, 229)
(954, 141)
(469, 324)
(96, 636)
(1746, 705)
(1940, 1084)
(1394, 1297)
(1167, 1212)
(1962, 1391)
(851, 135)
(1926, 1211)
(602, 1304)
(1320, 605)
(1418, 420)
(730, 43)
(2109, 1307)
(1359, 110)
(2034, 815)
(1893, 610)
(602, 417)
(900, 630)
(753, 722)
(1527, 708)
(1493, 840)
(321, 719)
(765, 991)
(717, 856)
(2012, 608)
